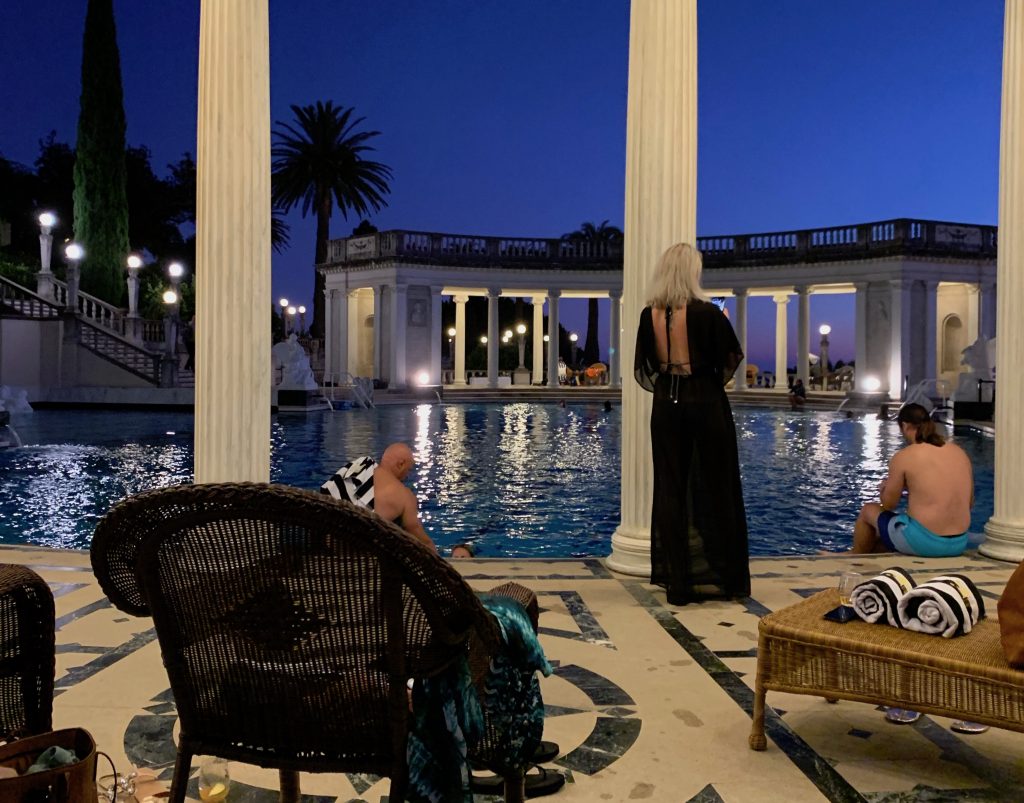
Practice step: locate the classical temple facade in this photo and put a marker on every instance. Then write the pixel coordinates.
(924, 290)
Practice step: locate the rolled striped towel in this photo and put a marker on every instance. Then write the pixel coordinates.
(948, 606)
(876, 599)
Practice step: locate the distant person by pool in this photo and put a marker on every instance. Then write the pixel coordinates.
(797, 395)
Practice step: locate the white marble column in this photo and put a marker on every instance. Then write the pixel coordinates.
(615, 339)
(329, 334)
(803, 335)
(1005, 530)
(356, 333)
(538, 340)
(553, 296)
(339, 364)
(741, 335)
(460, 339)
(899, 336)
(399, 307)
(781, 346)
(492, 336)
(661, 209)
(860, 334)
(987, 309)
(378, 331)
(232, 394)
(437, 334)
(930, 330)
(972, 320)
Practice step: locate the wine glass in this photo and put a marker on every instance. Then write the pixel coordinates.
(214, 780)
(847, 582)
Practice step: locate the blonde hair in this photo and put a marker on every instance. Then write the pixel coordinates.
(676, 279)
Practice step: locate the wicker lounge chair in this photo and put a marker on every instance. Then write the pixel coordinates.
(26, 653)
(289, 624)
(965, 677)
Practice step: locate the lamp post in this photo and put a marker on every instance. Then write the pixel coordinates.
(284, 317)
(134, 262)
(824, 330)
(573, 337)
(521, 331)
(290, 319)
(73, 255)
(302, 319)
(44, 279)
(170, 299)
(451, 346)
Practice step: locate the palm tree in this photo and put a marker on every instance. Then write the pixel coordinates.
(598, 238)
(318, 161)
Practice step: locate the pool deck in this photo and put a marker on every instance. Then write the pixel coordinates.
(648, 701)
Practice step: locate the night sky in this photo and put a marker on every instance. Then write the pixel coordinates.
(508, 118)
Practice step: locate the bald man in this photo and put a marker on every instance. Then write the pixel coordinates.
(380, 487)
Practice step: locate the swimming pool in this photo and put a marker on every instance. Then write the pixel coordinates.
(519, 480)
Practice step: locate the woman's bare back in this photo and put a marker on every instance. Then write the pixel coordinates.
(678, 360)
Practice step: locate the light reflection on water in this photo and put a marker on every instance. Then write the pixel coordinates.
(518, 479)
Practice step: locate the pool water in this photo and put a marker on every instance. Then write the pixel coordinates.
(518, 480)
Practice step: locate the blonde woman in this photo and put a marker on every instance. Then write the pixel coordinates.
(686, 351)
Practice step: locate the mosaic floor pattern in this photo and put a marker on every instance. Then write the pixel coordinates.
(648, 701)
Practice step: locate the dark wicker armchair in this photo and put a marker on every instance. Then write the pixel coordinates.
(289, 624)
(26, 653)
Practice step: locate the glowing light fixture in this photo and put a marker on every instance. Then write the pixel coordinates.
(170, 297)
(871, 383)
(824, 329)
(74, 251)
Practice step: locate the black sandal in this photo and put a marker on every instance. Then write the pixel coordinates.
(539, 783)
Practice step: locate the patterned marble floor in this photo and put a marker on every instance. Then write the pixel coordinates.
(648, 701)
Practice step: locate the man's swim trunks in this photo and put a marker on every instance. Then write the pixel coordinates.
(900, 533)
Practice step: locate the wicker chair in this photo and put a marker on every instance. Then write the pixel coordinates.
(289, 624)
(26, 653)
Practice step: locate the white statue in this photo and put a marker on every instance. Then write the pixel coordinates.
(14, 400)
(296, 373)
(980, 359)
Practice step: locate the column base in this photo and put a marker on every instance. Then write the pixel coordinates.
(459, 383)
(631, 551)
(1003, 541)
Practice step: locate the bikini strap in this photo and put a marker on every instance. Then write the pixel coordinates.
(668, 335)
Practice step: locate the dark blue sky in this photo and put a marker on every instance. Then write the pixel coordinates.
(509, 118)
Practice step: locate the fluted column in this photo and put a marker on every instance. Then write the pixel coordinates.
(436, 335)
(781, 346)
(329, 333)
(1005, 530)
(339, 364)
(987, 309)
(492, 336)
(860, 334)
(356, 332)
(803, 335)
(399, 307)
(615, 339)
(538, 339)
(553, 296)
(661, 209)
(232, 394)
(741, 335)
(378, 330)
(460, 339)
(930, 326)
(899, 335)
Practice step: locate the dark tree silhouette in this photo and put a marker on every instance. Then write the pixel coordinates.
(318, 161)
(101, 199)
(598, 239)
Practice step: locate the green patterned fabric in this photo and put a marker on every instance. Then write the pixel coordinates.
(447, 717)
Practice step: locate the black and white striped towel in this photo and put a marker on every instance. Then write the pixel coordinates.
(353, 482)
(948, 606)
(876, 599)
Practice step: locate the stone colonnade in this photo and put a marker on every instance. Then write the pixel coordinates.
(407, 336)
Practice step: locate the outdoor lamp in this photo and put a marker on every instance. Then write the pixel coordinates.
(47, 220)
(824, 329)
(284, 303)
(134, 262)
(423, 378)
(170, 297)
(547, 338)
(44, 286)
(521, 331)
(872, 383)
(451, 331)
(302, 319)
(483, 339)
(175, 270)
(508, 333)
(73, 252)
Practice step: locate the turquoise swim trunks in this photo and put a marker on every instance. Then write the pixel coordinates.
(900, 533)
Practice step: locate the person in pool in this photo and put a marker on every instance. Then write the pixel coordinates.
(939, 484)
(380, 486)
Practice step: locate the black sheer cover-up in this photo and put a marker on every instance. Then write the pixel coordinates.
(698, 523)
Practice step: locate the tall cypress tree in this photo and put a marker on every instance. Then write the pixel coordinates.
(101, 201)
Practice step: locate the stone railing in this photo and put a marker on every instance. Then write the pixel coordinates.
(93, 309)
(417, 246)
(861, 241)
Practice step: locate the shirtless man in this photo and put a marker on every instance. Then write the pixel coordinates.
(380, 487)
(939, 483)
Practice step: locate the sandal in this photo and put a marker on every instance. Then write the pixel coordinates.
(539, 783)
(545, 752)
